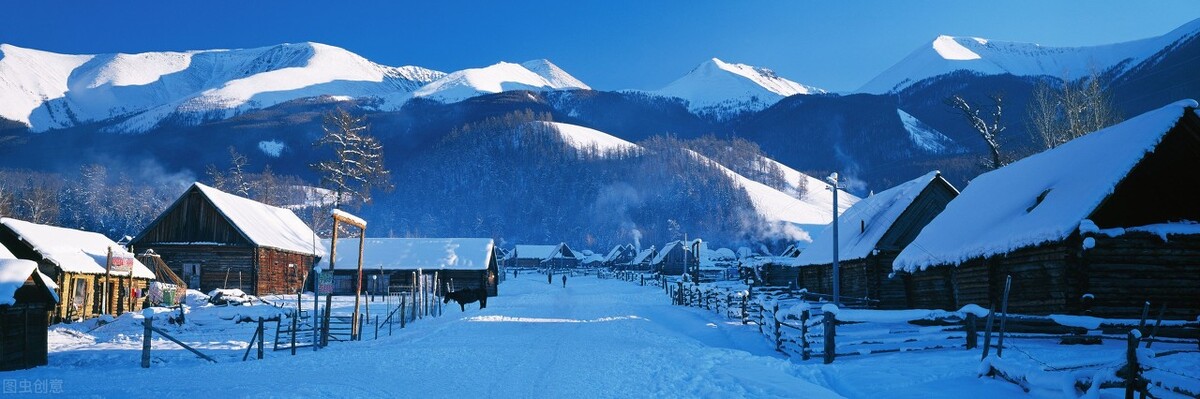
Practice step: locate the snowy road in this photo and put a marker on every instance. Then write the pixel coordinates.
(593, 339)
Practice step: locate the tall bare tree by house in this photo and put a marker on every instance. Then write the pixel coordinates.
(988, 126)
(1061, 113)
(357, 166)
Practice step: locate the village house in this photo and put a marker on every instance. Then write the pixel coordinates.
(641, 262)
(791, 251)
(396, 264)
(675, 258)
(1097, 225)
(213, 239)
(94, 275)
(26, 299)
(545, 256)
(620, 256)
(870, 235)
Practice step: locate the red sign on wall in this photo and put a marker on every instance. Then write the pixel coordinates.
(121, 265)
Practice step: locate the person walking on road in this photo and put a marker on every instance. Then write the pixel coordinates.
(549, 277)
(564, 280)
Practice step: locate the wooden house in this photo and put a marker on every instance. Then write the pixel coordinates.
(870, 235)
(675, 258)
(545, 256)
(791, 251)
(620, 256)
(641, 262)
(26, 299)
(94, 275)
(1097, 225)
(213, 239)
(397, 264)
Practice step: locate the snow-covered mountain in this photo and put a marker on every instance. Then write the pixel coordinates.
(947, 54)
(721, 89)
(48, 91)
(537, 75)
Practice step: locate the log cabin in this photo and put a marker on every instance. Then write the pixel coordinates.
(641, 262)
(546, 256)
(213, 239)
(620, 256)
(1097, 225)
(393, 264)
(26, 299)
(870, 235)
(94, 275)
(675, 258)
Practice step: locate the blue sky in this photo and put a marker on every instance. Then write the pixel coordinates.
(615, 44)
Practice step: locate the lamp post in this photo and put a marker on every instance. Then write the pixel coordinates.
(837, 277)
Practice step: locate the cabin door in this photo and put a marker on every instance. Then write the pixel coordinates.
(191, 274)
(79, 296)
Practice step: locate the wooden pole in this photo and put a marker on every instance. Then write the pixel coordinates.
(1132, 369)
(1158, 322)
(972, 334)
(107, 269)
(804, 349)
(830, 333)
(294, 317)
(1003, 316)
(987, 332)
(358, 291)
(329, 296)
(146, 333)
(402, 321)
(261, 331)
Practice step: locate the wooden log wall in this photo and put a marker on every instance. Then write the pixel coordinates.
(281, 272)
(219, 265)
(1125, 271)
(23, 336)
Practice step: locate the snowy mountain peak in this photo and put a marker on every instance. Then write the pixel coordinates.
(47, 90)
(723, 89)
(496, 78)
(947, 54)
(553, 74)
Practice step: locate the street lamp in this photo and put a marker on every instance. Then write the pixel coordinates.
(837, 278)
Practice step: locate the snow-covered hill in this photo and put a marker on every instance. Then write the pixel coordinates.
(947, 54)
(588, 139)
(537, 75)
(48, 91)
(723, 89)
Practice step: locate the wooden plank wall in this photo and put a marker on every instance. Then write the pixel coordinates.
(1125, 271)
(23, 331)
(275, 276)
(219, 265)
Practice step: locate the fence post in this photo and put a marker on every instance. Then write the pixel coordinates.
(745, 299)
(146, 342)
(294, 317)
(1154, 332)
(376, 326)
(261, 332)
(1003, 316)
(830, 332)
(1133, 371)
(987, 332)
(778, 334)
(972, 333)
(804, 349)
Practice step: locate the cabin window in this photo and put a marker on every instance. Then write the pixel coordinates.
(191, 274)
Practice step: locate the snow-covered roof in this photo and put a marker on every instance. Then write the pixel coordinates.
(666, 249)
(14, 273)
(876, 213)
(413, 253)
(1041, 198)
(265, 225)
(5, 254)
(617, 251)
(544, 252)
(534, 251)
(74, 251)
(641, 256)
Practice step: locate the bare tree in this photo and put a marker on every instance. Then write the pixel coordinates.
(236, 178)
(988, 126)
(357, 165)
(1071, 110)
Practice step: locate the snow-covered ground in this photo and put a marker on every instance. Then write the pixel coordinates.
(594, 338)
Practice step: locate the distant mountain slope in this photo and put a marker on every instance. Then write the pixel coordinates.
(947, 54)
(722, 89)
(501, 77)
(52, 91)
